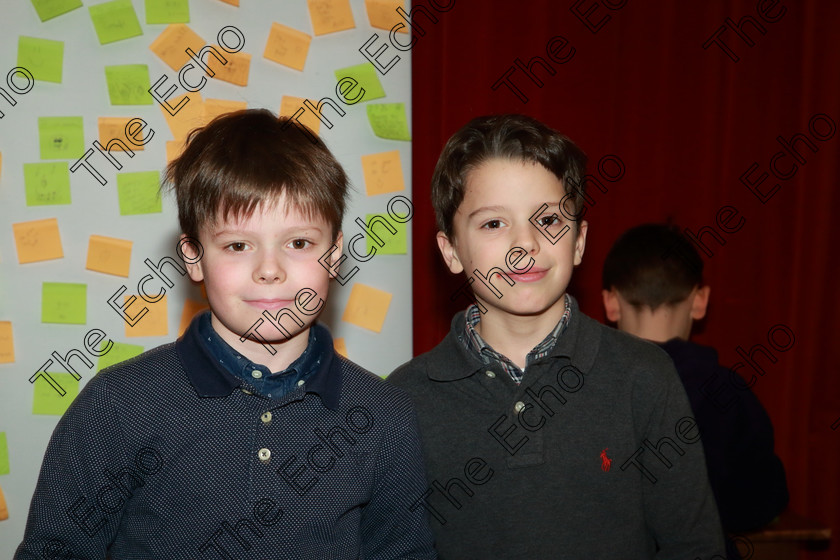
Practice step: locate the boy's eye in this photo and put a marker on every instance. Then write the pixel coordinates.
(552, 220)
(492, 224)
(301, 243)
(236, 247)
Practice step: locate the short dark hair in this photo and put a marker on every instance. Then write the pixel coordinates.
(251, 157)
(651, 265)
(512, 137)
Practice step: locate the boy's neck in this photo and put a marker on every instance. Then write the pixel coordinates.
(285, 351)
(514, 336)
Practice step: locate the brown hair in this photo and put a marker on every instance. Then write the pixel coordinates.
(247, 158)
(514, 137)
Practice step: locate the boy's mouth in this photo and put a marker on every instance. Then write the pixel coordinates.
(270, 304)
(533, 275)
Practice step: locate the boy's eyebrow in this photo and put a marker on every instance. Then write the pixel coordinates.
(295, 229)
(501, 208)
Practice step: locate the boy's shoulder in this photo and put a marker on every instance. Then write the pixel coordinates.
(364, 387)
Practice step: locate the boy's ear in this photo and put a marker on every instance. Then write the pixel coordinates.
(450, 255)
(611, 305)
(580, 242)
(192, 259)
(700, 302)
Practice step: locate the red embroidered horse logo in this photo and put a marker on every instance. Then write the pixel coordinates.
(605, 461)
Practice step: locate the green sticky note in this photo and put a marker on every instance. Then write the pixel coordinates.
(119, 352)
(394, 243)
(115, 21)
(128, 84)
(48, 9)
(4, 454)
(61, 137)
(47, 183)
(63, 303)
(388, 120)
(138, 193)
(365, 76)
(167, 11)
(44, 58)
(46, 398)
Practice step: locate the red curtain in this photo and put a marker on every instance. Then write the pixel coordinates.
(723, 116)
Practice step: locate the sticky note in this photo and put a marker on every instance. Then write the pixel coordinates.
(37, 240)
(44, 58)
(63, 303)
(365, 76)
(4, 511)
(47, 183)
(4, 454)
(234, 70)
(287, 46)
(217, 107)
(153, 323)
(7, 343)
(191, 309)
(48, 9)
(61, 137)
(115, 21)
(232, 2)
(340, 346)
(393, 243)
(128, 84)
(114, 128)
(383, 173)
(46, 400)
(109, 255)
(290, 105)
(174, 148)
(367, 307)
(329, 16)
(388, 120)
(167, 11)
(119, 351)
(171, 45)
(188, 117)
(138, 193)
(382, 14)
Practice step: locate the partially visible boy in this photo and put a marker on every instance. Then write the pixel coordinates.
(527, 402)
(653, 288)
(249, 437)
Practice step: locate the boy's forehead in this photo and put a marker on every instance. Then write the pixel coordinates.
(278, 213)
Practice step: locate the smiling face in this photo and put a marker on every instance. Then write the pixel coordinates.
(260, 263)
(496, 217)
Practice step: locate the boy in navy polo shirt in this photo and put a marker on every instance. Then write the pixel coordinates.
(249, 437)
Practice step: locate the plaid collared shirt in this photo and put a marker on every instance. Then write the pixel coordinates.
(473, 341)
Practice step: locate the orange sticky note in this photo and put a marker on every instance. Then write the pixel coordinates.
(367, 307)
(329, 16)
(287, 46)
(114, 127)
(174, 148)
(4, 511)
(7, 343)
(290, 105)
(217, 107)
(340, 346)
(383, 173)
(232, 2)
(188, 117)
(383, 14)
(109, 255)
(171, 46)
(154, 322)
(235, 69)
(191, 309)
(37, 240)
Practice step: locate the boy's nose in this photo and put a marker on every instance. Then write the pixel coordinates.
(269, 270)
(528, 238)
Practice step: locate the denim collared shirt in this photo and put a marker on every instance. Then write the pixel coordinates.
(263, 381)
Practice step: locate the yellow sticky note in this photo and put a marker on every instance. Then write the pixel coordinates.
(109, 255)
(340, 346)
(37, 240)
(188, 117)
(287, 46)
(388, 120)
(47, 400)
(153, 323)
(174, 148)
(383, 173)
(111, 128)
(235, 69)
(367, 307)
(4, 511)
(191, 309)
(7, 343)
(329, 16)
(171, 45)
(383, 14)
(217, 107)
(290, 105)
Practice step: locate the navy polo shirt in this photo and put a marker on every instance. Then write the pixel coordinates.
(170, 455)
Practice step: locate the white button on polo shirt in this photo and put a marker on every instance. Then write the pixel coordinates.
(256, 374)
(519, 406)
(266, 417)
(490, 373)
(264, 454)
